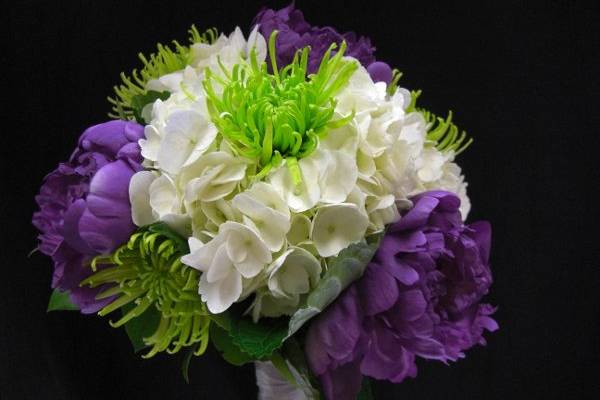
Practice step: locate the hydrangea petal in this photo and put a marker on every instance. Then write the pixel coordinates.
(337, 226)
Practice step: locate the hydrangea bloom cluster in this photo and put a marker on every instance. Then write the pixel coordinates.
(271, 178)
(310, 207)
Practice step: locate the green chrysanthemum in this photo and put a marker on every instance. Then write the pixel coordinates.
(269, 117)
(132, 93)
(443, 133)
(148, 272)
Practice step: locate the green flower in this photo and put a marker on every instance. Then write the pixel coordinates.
(132, 94)
(147, 271)
(442, 133)
(268, 117)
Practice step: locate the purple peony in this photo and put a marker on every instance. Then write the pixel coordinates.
(295, 33)
(419, 296)
(84, 206)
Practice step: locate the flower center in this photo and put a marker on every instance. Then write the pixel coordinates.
(270, 117)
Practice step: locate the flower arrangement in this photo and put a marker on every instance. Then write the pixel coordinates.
(280, 197)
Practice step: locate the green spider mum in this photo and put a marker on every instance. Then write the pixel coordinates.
(132, 91)
(148, 273)
(269, 117)
(443, 133)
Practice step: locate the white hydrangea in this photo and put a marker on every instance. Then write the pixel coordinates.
(272, 237)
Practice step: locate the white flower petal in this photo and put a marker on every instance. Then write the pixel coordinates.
(139, 196)
(337, 226)
(429, 165)
(219, 296)
(187, 136)
(343, 139)
(266, 212)
(358, 197)
(237, 246)
(163, 196)
(201, 256)
(220, 266)
(246, 249)
(299, 229)
(151, 144)
(180, 223)
(219, 211)
(265, 194)
(294, 273)
(307, 194)
(169, 82)
(339, 176)
(267, 305)
(194, 244)
(212, 177)
(174, 151)
(294, 280)
(257, 42)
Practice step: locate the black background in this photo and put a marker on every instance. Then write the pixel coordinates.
(520, 79)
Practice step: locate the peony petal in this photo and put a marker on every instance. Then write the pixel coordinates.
(379, 290)
(109, 191)
(401, 271)
(343, 382)
(417, 216)
(107, 137)
(70, 229)
(104, 234)
(483, 237)
(380, 72)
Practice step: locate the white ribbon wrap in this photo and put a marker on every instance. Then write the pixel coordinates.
(273, 386)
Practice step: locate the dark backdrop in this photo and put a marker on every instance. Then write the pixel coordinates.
(520, 80)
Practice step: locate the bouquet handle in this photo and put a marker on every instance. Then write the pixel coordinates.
(273, 386)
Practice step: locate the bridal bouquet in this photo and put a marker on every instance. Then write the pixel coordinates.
(281, 198)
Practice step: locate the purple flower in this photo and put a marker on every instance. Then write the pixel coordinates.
(419, 296)
(295, 33)
(84, 206)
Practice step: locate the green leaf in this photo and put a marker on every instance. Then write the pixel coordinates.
(185, 365)
(344, 269)
(60, 301)
(241, 340)
(366, 392)
(139, 101)
(142, 326)
(259, 340)
(223, 343)
(166, 231)
(223, 320)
